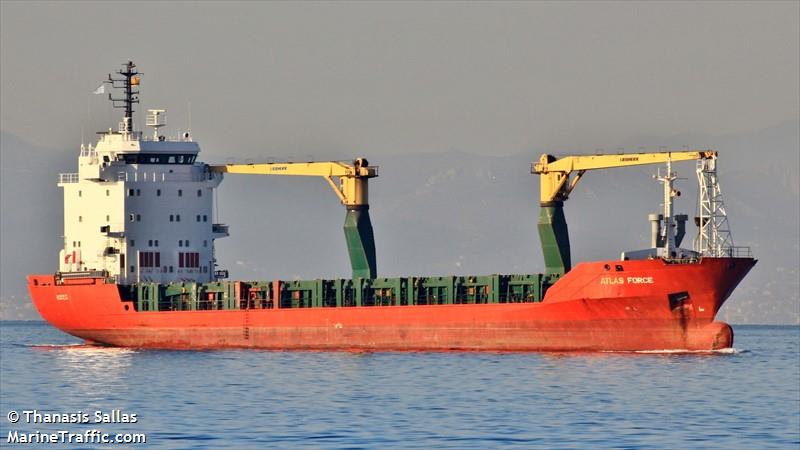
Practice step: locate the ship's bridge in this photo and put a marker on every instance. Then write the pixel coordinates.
(117, 150)
(135, 145)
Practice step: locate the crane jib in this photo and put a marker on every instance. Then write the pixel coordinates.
(352, 190)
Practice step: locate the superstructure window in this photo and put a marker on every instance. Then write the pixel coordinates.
(80, 218)
(130, 192)
(171, 218)
(107, 193)
(157, 158)
(158, 192)
(138, 217)
(149, 259)
(199, 192)
(180, 192)
(198, 217)
(190, 260)
(80, 194)
(108, 218)
(205, 218)
(177, 217)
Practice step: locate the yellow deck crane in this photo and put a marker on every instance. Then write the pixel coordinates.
(352, 190)
(559, 176)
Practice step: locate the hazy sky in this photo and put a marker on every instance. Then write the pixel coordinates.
(337, 79)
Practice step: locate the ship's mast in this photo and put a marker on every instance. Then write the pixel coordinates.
(669, 192)
(128, 82)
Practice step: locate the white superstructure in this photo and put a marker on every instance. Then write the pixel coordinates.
(140, 208)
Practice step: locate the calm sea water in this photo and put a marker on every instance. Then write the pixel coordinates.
(746, 398)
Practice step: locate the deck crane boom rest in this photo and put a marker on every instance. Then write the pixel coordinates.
(557, 182)
(352, 190)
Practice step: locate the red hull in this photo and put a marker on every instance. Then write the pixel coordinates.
(590, 308)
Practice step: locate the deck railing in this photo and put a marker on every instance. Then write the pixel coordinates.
(740, 252)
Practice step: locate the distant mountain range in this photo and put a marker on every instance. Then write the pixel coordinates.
(447, 213)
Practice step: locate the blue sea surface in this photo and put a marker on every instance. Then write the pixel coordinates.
(747, 398)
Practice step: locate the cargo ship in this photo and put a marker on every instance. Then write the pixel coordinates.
(138, 267)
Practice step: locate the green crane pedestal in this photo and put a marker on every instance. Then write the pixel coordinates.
(554, 237)
(360, 241)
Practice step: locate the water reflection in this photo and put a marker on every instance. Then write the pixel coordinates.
(91, 371)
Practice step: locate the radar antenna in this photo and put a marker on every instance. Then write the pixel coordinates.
(128, 82)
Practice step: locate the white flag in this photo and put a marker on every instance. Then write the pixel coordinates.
(101, 89)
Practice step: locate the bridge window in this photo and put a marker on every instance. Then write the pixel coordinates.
(157, 158)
